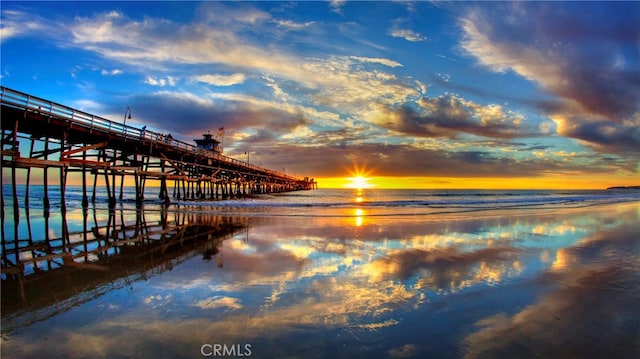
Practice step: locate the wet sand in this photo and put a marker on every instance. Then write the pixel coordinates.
(505, 283)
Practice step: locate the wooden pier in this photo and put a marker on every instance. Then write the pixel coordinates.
(57, 137)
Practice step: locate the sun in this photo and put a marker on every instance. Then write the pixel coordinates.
(359, 182)
(359, 178)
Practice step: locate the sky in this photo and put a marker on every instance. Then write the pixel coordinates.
(404, 94)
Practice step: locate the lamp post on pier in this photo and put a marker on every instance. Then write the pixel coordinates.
(127, 111)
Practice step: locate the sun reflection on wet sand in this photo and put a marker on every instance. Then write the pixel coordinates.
(359, 214)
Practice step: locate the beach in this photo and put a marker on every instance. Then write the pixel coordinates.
(330, 273)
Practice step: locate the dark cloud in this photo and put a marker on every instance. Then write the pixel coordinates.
(449, 116)
(535, 147)
(591, 65)
(261, 136)
(188, 114)
(605, 135)
(403, 160)
(555, 46)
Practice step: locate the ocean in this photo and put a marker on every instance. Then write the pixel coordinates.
(327, 201)
(339, 273)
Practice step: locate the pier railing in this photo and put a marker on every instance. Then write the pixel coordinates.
(92, 122)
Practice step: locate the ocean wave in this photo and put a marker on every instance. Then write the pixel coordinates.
(431, 200)
(452, 202)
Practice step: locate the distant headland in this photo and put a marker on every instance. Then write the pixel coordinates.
(624, 187)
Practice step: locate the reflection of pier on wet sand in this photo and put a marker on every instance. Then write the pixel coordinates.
(51, 275)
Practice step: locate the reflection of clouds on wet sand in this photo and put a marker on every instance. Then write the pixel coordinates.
(298, 277)
(329, 304)
(405, 351)
(445, 269)
(219, 302)
(350, 285)
(594, 312)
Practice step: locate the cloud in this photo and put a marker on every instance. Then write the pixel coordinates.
(238, 16)
(346, 83)
(222, 80)
(289, 24)
(400, 28)
(381, 61)
(449, 116)
(592, 66)
(336, 5)
(113, 72)
(326, 159)
(601, 134)
(16, 23)
(357, 85)
(353, 85)
(563, 58)
(167, 109)
(160, 81)
(406, 34)
(157, 43)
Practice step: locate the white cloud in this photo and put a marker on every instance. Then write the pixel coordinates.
(186, 97)
(101, 29)
(90, 106)
(293, 25)
(7, 32)
(444, 77)
(347, 83)
(160, 81)
(336, 5)
(16, 23)
(113, 72)
(277, 90)
(158, 43)
(376, 60)
(222, 80)
(406, 34)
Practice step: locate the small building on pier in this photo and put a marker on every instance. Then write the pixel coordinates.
(208, 143)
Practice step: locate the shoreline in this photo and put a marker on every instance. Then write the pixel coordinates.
(347, 205)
